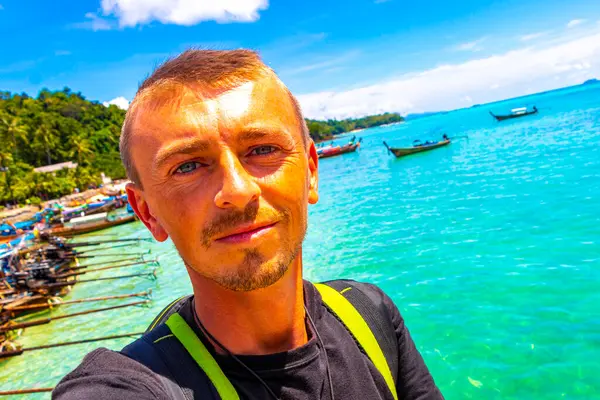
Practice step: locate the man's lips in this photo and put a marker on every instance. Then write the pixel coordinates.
(246, 233)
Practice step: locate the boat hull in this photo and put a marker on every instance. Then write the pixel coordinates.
(401, 152)
(342, 150)
(513, 116)
(91, 227)
(7, 238)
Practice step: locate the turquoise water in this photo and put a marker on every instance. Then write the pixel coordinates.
(490, 247)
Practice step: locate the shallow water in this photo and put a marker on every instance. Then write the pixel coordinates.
(490, 247)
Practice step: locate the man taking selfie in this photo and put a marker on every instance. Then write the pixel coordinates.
(221, 162)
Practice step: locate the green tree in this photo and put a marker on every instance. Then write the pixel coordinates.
(81, 149)
(45, 138)
(6, 160)
(324, 130)
(13, 129)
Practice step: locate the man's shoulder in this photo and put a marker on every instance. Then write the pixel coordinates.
(107, 374)
(372, 292)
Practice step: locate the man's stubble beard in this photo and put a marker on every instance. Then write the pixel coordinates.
(254, 272)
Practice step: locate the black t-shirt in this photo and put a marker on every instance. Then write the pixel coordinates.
(300, 373)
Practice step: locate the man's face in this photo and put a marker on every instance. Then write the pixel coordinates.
(228, 177)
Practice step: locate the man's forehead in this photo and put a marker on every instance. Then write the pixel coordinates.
(233, 103)
(250, 102)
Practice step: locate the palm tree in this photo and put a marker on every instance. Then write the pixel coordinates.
(6, 159)
(14, 128)
(81, 149)
(45, 138)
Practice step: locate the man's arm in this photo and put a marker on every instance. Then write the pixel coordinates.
(414, 379)
(107, 375)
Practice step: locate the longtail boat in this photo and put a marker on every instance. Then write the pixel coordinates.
(338, 150)
(88, 209)
(35, 276)
(515, 113)
(418, 148)
(7, 238)
(92, 223)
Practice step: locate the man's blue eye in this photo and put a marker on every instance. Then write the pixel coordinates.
(187, 167)
(262, 150)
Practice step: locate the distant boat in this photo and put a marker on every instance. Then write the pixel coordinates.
(320, 150)
(515, 113)
(417, 148)
(338, 150)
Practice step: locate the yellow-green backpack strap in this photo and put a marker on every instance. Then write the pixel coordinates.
(357, 326)
(164, 314)
(202, 356)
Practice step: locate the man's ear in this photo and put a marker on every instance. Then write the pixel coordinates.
(313, 171)
(135, 195)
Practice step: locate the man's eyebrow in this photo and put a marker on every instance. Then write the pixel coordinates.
(185, 146)
(262, 132)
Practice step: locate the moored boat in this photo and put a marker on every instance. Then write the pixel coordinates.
(417, 148)
(515, 113)
(320, 150)
(97, 207)
(91, 223)
(338, 150)
(7, 238)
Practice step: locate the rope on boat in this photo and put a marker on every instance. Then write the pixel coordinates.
(25, 391)
(17, 350)
(57, 301)
(11, 325)
(108, 262)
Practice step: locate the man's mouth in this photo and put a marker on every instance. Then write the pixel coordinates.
(245, 233)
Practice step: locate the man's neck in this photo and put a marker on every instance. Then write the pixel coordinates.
(263, 321)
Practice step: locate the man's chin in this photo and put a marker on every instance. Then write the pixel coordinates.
(247, 278)
(253, 270)
(253, 273)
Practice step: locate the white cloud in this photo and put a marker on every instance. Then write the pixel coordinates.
(62, 53)
(532, 36)
(93, 23)
(446, 87)
(575, 22)
(183, 12)
(120, 102)
(475, 45)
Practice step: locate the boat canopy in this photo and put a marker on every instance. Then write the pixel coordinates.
(87, 219)
(518, 110)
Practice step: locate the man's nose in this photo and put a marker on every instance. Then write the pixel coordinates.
(239, 188)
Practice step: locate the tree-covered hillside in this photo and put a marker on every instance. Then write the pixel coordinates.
(323, 130)
(52, 128)
(63, 126)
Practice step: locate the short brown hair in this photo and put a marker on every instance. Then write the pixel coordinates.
(197, 69)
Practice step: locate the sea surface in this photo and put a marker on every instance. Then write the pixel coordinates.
(490, 248)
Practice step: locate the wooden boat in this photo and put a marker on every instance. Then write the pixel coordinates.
(88, 210)
(338, 150)
(7, 238)
(515, 113)
(419, 148)
(92, 223)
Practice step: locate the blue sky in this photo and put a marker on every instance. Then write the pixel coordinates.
(344, 58)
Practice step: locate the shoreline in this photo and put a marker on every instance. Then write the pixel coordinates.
(336, 136)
